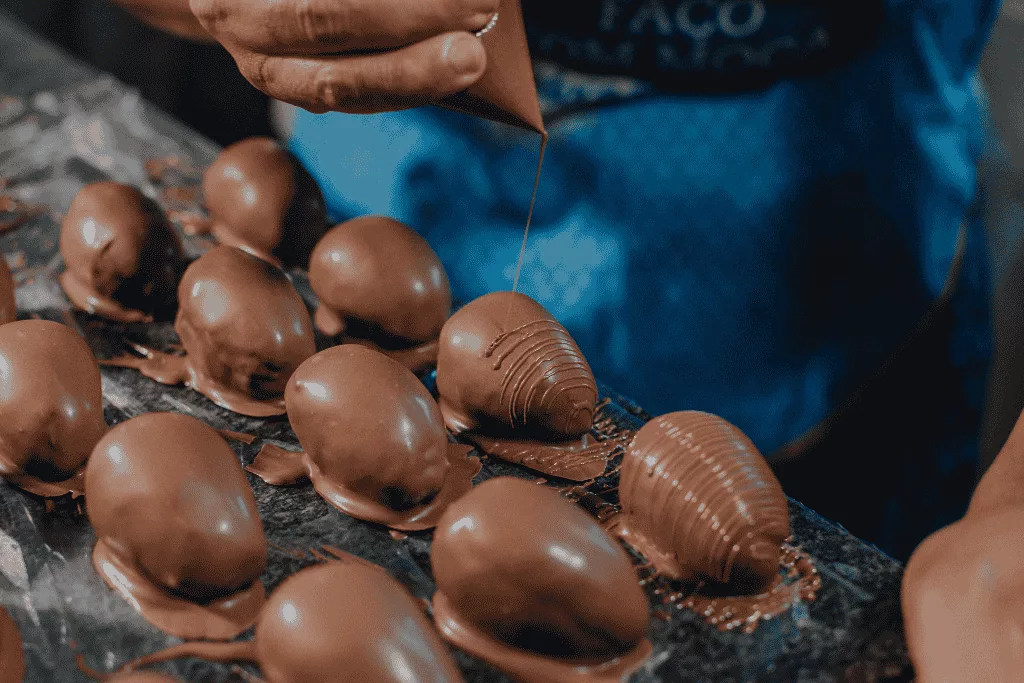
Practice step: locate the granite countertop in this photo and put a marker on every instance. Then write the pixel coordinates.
(62, 125)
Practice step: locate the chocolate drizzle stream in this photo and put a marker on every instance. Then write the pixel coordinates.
(346, 620)
(244, 330)
(532, 584)
(12, 655)
(262, 200)
(375, 443)
(123, 258)
(381, 285)
(51, 407)
(179, 534)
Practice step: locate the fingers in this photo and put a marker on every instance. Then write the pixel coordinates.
(297, 27)
(386, 81)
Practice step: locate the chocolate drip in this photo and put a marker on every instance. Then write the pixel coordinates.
(699, 500)
(380, 284)
(123, 257)
(507, 368)
(375, 442)
(51, 406)
(12, 655)
(532, 584)
(262, 200)
(346, 620)
(179, 534)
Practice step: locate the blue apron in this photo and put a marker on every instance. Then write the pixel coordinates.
(745, 206)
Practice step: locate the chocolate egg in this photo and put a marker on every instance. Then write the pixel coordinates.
(8, 304)
(123, 257)
(346, 620)
(308, 631)
(521, 571)
(245, 329)
(375, 443)
(700, 501)
(380, 282)
(506, 365)
(51, 403)
(262, 200)
(179, 534)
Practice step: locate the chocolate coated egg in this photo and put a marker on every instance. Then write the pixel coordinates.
(123, 257)
(506, 365)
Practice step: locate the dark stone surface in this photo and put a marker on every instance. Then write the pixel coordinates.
(88, 127)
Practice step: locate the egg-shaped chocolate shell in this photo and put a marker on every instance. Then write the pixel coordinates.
(51, 400)
(245, 329)
(171, 505)
(516, 560)
(377, 278)
(348, 621)
(506, 365)
(122, 256)
(701, 500)
(262, 200)
(374, 437)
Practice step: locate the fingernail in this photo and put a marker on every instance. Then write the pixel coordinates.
(463, 53)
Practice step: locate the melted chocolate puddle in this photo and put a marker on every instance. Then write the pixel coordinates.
(526, 666)
(582, 459)
(218, 619)
(279, 467)
(173, 369)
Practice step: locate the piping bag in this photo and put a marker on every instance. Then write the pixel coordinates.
(507, 92)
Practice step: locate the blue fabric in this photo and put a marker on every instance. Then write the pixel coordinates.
(754, 254)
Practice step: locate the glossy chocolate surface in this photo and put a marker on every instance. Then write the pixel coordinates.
(506, 367)
(262, 200)
(375, 442)
(51, 403)
(310, 630)
(378, 280)
(244, 328)
(700, 501)
(179, 534)
(515, 561)
(123, 258)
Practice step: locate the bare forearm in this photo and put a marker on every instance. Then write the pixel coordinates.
(172, 16)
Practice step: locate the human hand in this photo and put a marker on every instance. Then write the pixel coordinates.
(356, 56)
(173, 16)
(963, 601)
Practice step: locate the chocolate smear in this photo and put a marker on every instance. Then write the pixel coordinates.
(346, 620)
(179, 534)
(511, 380)
(244, 329)
(51, 407)
(374, 440)
(12, 655)
(123, 258)
(262, 200)
(507, 91)
(532, 584)
(381, 285)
